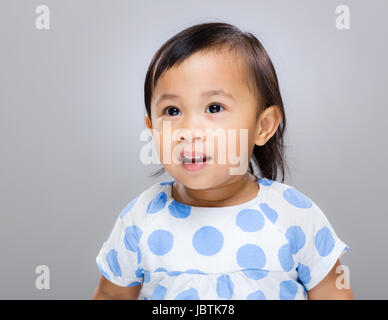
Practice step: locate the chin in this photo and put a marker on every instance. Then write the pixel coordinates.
(205, 179)
(196, 182)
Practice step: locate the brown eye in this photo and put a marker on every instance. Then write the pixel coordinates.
(214, 108)
(171, 111)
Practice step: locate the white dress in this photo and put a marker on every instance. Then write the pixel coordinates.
(275, 246)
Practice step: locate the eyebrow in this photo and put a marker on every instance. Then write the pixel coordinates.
(210, 93)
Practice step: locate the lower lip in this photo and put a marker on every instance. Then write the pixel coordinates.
(193, 166)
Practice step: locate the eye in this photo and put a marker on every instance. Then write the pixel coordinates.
(171, 111)
(214, 108)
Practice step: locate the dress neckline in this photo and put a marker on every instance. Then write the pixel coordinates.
(257, 199)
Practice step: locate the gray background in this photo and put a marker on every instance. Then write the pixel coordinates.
(72, 111)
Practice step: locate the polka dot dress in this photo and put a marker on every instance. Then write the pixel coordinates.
(275, 246)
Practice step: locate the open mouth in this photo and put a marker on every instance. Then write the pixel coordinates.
(198, 159)
(193, 157)
(194, 160)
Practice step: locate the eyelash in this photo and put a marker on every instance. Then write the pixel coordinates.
(212, 104)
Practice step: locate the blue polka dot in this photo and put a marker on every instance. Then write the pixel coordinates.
(139, 273)
(174, 273)
(147, 276)
(250, 220)
(208, 241)
(160, 270)
(106, 275)
(166, 183)
(251, 256)
(135, 283)
(225, 286)
(113, 263)
(128, 207)
(132, 237)
(190, 294)
(265, 182)
(138, 255)
(179, 210)
(159, 293)
(157, 203)
(255, 273)
(195, 271)
(303, 273)
(257, 295)
(285, 257)
(296, 198)
(269, 212)
(296, 238)
(324, 241)
(160, 242)
(288, 290)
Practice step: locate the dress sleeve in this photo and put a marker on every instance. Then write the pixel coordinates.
(321, 250)
(119, 257)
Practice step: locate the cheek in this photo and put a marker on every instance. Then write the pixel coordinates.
(167, 149)
(241, 138)
(161, 147)
(157, 139)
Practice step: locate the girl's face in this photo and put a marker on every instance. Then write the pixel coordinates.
(181, 97)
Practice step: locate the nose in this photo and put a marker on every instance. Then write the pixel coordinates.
(192, 135)
(191, 130)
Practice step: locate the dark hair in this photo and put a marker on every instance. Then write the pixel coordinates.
(260, 72)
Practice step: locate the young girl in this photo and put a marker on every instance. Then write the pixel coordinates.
(208, 233)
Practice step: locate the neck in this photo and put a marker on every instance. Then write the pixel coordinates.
(237, 190)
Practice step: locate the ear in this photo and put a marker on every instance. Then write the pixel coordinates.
(148, 122)
(267, 124)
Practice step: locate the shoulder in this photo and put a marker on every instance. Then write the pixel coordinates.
(136, 207)
(286, 194)
(288, 205)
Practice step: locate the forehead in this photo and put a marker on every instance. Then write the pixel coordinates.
(204, 71)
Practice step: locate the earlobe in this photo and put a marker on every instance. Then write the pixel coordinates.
(260, 138)
(147, 122)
